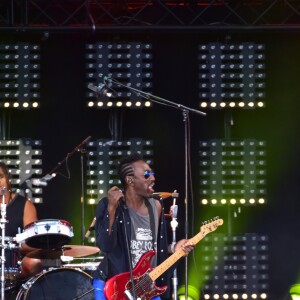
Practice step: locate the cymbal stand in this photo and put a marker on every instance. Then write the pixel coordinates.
(174, 225)
(2, 226)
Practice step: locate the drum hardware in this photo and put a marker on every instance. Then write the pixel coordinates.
(3, 221)
(66, 258)
(87, 266)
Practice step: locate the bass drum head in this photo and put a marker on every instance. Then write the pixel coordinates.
(59, 284)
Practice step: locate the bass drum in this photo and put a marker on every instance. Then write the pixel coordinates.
(58, 284)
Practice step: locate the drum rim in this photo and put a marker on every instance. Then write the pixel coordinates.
(62, 222)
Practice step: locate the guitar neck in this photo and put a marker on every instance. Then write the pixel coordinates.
(171, 260)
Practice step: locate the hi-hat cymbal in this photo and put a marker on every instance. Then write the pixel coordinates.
(67, 250)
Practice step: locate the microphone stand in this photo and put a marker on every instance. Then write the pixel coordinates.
(185, 111)
(2, 225)
(82, 151)
(174, 225)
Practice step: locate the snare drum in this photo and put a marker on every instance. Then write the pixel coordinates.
(58, 284)
(47, 233)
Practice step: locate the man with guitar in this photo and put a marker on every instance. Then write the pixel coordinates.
(130, 224)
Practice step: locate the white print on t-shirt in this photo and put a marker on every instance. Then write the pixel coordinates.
(141, 244)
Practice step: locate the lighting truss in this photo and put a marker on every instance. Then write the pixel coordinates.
(87, 14)
(232, 75)
(128, 63)
(235, 267)
(102, 164)
(232, 172)
(19, 76)
(23, 158)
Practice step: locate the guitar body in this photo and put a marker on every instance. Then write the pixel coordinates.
(118, 286)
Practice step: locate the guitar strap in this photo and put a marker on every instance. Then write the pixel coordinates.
(152, 222)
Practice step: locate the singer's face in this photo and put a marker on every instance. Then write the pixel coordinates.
(143, 184)
(3, 179)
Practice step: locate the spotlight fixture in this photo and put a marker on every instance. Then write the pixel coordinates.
(193, 293)
(295, 291)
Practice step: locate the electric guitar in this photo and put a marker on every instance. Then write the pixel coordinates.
(120, 286)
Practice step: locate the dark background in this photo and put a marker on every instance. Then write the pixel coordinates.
(63, 121)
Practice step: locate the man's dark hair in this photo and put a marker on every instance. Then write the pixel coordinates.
(125, 167)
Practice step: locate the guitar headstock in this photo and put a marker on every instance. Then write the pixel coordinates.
(211, 225)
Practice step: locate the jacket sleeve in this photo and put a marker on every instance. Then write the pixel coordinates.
(105, 241)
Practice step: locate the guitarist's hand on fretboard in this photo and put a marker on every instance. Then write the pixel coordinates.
(186, 245)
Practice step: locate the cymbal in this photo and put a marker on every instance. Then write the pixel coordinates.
(67, 250)
(79, 251)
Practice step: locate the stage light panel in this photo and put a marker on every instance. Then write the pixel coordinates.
(19, 80)
(232, 172)
(232, 75)
(23, 158)
(128, 63)
(236, 266)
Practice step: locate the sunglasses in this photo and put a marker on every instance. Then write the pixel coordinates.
(148, 173)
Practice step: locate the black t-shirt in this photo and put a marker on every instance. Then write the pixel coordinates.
(14, 216)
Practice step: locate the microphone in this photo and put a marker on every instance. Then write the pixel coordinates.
(122, 203)
(91, 228)
(101, 90)
(2, 190)
(43, 181)
(39, 182)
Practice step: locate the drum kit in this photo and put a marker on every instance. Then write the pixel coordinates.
(46, 241)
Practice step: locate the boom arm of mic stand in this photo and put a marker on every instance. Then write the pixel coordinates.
(156, 99)
(70, 154)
